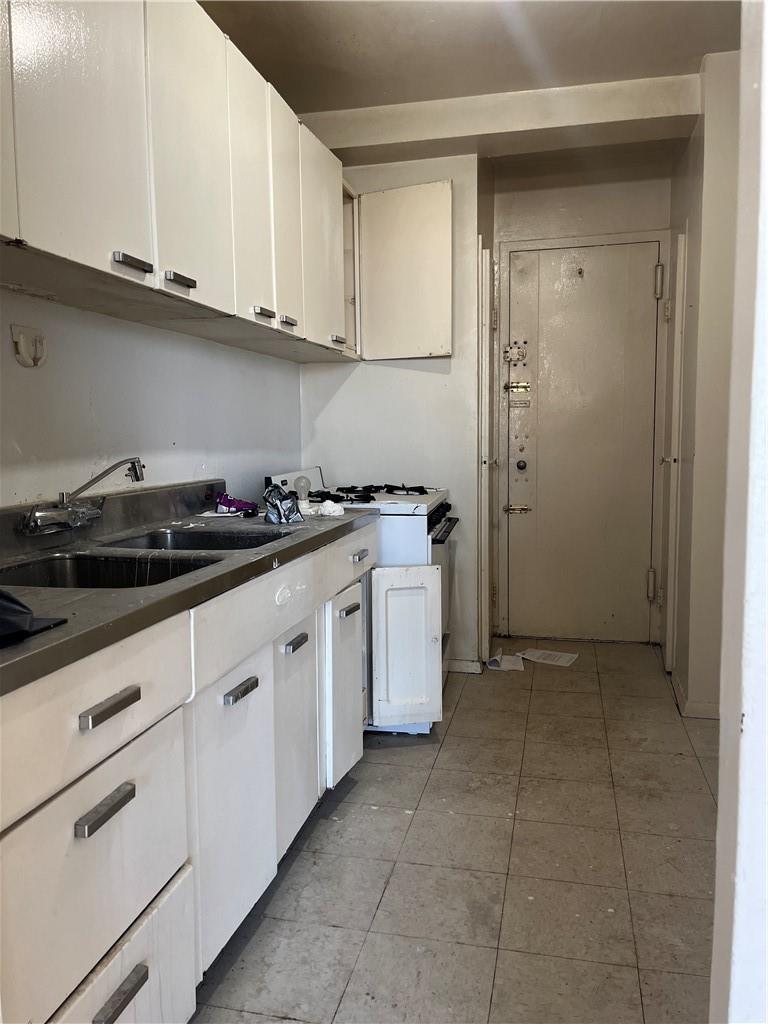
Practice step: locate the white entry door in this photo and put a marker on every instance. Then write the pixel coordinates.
(577, 392)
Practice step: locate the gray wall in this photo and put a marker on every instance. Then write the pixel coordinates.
(191, 408)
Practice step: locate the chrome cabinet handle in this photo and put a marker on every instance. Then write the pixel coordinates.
(290, 320)
(124, 994)
(236, 694)
(105, 809)
(338, 339)
(135, 262)
(106, 709)
(176, 278)
(293, 645)
(360, 556)
(345, 613)
(263, 311)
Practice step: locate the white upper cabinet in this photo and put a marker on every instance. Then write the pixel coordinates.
(322, 236)
(251, 208)
(286, 215)
(81, 132)
(9, 213)
(187, 65)
(406, 272)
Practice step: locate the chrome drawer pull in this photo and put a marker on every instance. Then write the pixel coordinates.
(263, 311)
(106, 709)
(338, 339)
(289, 320)
(240, 691)
(176, 278)
(360, 556)
(345, 613)
(124, 994)
(135, 262)
(105, 809)
(293, 645)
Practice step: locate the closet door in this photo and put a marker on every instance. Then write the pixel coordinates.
(9, 213)
(81, 132)
(187, 62)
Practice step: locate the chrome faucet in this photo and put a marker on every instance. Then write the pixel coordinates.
(65, 514)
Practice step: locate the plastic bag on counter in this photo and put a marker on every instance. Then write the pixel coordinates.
(282, 507)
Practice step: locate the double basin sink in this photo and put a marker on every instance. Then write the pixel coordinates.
(152, 563)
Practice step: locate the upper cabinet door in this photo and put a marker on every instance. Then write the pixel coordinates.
(9, 212)
(322, 236)
(81, 132)
(251, 209)
(286, 215)
(187, 64)
(406, 266)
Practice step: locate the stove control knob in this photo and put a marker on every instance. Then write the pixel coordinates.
(522, 464)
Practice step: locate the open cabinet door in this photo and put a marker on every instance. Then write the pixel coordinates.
(407, 645)
(405, 267)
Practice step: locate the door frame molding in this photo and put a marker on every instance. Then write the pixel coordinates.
(500, 553)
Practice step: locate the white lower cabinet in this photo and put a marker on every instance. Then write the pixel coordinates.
(76, 873)
(296, 732)
(407, 644)
(230, 733)
(148, 977)
(344, 682)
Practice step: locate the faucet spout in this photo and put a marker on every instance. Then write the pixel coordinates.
(135, 472)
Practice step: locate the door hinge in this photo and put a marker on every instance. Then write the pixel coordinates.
(658, 280)
(495, 319)
(668, 310)
(517, 510)
(650, 589)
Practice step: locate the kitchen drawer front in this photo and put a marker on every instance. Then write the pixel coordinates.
(348, 559)
(154, 960)
(229, 628)
(42, 745)
(64, 899)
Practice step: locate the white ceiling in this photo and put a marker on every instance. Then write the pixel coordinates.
(338, 54)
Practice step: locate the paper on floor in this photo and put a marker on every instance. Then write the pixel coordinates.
(549, 657)
(506, 662)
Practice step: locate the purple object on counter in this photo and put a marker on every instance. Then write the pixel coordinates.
(226, 502)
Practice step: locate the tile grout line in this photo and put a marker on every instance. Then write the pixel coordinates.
(511, 841)
(623, 859)
(395, 862)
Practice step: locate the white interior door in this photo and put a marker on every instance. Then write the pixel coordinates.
(407, 645)
(580, 374)
(406, 272)
(484, 395)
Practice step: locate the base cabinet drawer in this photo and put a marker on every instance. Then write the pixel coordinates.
(230, 731)
(57, 728)
(346, 560)
(148, 976)
(79, 871)
(296, 739)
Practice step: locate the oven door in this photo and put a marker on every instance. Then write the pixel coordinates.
(443, 553)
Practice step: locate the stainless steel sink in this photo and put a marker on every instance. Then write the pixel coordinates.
(99, 571)
(202, 540)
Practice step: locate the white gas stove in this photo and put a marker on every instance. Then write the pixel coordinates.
(414, 530)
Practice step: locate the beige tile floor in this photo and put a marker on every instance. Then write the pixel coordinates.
(547, 855)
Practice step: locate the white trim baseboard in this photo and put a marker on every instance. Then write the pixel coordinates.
(693, 708)
(473, 667)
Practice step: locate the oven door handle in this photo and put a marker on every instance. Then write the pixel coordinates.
(444, 530)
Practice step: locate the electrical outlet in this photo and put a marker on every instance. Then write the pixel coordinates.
(29, 346)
